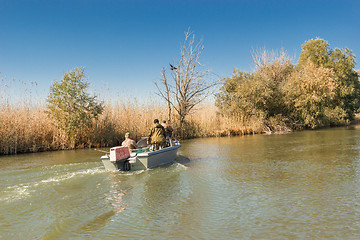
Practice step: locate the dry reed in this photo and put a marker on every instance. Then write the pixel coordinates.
(25, 127)
(30, 130)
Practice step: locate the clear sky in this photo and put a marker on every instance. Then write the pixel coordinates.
(123, 45)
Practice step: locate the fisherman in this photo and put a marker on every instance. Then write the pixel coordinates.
(157, 136)
(168, 130)
(128, 142)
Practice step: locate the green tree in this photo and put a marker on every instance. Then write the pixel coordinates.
(72, 108)
(315, 50)
(257, 95)
(229, 101)
(342, 63)
(310, 94)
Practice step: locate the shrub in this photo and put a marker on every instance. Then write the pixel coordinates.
(322, 90)
(257, 95)
(72, 108)
(310, 93)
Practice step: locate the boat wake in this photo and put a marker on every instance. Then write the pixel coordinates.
(64, 177)
(182, 160)
(129, 173)
(45, 177)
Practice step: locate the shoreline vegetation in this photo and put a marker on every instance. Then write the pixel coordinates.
(35, 132)
(322, 90)
(29, 130)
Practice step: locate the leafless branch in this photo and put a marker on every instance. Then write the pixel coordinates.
(190, 82)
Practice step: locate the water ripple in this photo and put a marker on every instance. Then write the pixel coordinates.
(24, 190)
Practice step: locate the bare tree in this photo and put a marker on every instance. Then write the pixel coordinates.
(189, 83)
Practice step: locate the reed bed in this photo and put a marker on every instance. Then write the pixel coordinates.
(24, 129)
(206, 121)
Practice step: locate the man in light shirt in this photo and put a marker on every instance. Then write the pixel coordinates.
(128, 142)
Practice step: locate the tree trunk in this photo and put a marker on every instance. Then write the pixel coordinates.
(182, 124)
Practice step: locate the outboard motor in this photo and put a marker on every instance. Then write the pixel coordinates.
(119, 157)
(127, 165)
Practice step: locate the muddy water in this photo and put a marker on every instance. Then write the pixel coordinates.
(302, 185)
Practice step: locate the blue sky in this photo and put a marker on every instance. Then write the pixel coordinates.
(123, 45)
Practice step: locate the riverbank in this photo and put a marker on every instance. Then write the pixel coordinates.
(28, 129)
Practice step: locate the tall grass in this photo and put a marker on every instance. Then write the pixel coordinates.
(30, 130)
(25, 127)
(27, 130)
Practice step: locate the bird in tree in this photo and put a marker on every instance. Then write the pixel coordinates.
(172, 67)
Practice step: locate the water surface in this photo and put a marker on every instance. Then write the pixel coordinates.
(291, 186)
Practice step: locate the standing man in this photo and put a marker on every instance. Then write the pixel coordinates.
(157, 136)
(168, 131)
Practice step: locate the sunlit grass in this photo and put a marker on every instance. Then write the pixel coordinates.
(25, 127)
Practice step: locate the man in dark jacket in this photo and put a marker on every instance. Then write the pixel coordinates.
(168, 130)
(157, 136)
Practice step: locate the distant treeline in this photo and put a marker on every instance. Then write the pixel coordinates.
(321, 90)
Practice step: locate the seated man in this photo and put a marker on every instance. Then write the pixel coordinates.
(128, 142)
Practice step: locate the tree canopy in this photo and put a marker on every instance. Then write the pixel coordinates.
(321, 90)
(71, 106)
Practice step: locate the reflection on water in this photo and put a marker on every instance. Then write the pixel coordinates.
(292, 186)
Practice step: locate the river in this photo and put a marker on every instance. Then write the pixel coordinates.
(302, 185)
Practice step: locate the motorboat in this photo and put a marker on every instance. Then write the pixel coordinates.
(120, 158)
